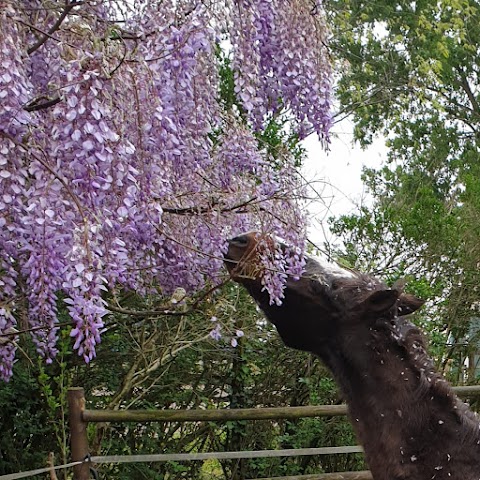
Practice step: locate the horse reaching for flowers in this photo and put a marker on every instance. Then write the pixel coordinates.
(406, 416)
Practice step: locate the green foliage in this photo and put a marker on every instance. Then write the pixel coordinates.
(403, 60)
(227, 81)
(410, 72)
(33, 404)
(279, 143)
(260, 371)
(23, 424)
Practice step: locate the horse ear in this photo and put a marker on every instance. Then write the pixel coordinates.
(408, 304)
(399, 285)
(380, 301)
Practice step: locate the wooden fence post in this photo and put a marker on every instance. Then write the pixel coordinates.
(78, 432)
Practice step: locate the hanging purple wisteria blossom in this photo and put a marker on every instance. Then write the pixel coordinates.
(120, 167)
(282, 63)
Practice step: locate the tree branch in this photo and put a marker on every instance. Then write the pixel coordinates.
(39, 30)
(203, 210)
(37, 104)
(466, 87)
(167, 310)
(68, 7)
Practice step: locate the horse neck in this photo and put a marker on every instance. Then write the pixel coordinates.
(397, 404)
(377, 378)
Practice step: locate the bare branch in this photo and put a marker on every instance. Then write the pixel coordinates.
(56, 25)
(41, 103)
(203, 210)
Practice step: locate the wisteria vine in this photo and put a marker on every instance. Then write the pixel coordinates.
(119, 166)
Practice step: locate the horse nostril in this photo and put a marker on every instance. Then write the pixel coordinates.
(240, 241)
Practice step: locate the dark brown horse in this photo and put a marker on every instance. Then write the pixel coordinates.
(406, 416)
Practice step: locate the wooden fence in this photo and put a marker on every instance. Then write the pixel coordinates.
(79, 417)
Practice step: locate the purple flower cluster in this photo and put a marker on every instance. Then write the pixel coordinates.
(15, 90)
(120, 169)
(86, 308)
(41, 269)
(279, 265)
(217, 333)
(282, 63)
(237, 154)
(8, 283)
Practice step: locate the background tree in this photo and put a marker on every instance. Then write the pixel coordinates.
(410, 73)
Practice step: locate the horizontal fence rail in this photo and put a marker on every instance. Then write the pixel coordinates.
(361, 475)
(182, 457)
(202, 456)
(217, 415)
(223, 415)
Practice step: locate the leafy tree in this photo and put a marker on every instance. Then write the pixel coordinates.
(410, 73)
(25, 424)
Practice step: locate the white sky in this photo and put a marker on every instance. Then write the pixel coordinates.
(336, 177)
